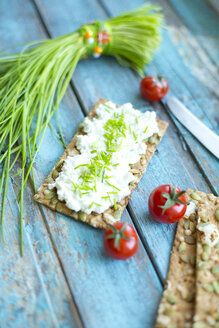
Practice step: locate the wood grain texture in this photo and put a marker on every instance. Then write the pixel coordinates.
(205, 25)
(30, 286)
(104, 291)
(34, 291)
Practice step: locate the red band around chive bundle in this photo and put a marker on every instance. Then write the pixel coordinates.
(97, 39)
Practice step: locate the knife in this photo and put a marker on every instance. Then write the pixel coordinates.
(205, 135)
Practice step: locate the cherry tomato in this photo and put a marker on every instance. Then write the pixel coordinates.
(153, 88)
(120, 241)
(167, 204)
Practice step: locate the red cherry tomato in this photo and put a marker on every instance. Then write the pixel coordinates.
(167, 204)
(120, 241)
(153, 88)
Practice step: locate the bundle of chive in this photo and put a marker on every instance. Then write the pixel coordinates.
(33, 83)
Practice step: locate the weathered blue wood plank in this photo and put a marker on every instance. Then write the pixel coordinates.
(214, 4)
(25, 298)
(195, 57)
(100, 285)
(124, 87)
(46, 262)
(203, 21)
(34, 291)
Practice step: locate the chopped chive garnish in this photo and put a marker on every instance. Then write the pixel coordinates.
(97, 204)
(94, 172)
(134, 135)
(114, 129)
(112, 192)
(136, 120)
(95, 186)
(86, 187)
(93, 203)
(100, 173)
(81, 165)
(94, 145)
(146, 129)
(107, 106)
(107, 177)
(106, 197)
(112, 186)
(103, 173)
(115, 205)
(75, 185)
(130, 130)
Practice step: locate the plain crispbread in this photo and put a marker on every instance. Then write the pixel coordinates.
(191, 295)
(49, 198)
(207, 264)
(177, 307)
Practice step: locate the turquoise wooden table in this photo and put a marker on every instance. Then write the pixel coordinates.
(65, 279)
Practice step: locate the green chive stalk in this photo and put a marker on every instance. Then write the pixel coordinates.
(33, 83)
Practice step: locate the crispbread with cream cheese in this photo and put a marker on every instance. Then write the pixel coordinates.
(49, 197)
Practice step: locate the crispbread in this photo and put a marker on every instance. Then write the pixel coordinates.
(177, 304)
(200, 306)
(207, 264)
(49, 198)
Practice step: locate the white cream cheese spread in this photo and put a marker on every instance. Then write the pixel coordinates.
(99, 176)
(211, 234)
(190, 209)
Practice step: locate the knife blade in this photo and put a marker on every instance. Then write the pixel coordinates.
(205, 135)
